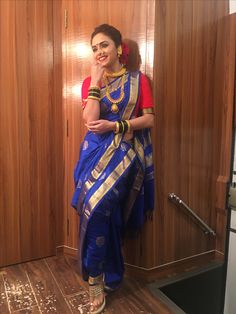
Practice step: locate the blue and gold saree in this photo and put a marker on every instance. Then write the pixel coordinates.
(114, 178)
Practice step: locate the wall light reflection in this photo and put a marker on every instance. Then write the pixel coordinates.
(76, 90)
(80, 50)
(72, 90)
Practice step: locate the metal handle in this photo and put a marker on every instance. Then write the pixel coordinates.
(174, 198)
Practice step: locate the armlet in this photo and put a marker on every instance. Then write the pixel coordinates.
(148, 110)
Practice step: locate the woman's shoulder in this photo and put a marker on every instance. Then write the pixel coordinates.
(143, 76)
(145, 81)
(86, 81)
(85, 87)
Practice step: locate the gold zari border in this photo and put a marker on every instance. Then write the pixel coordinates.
(134, 84)
(110, 181)
(148, 110)
(103, 162)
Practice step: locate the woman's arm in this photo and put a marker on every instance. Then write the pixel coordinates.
(143, 122)
(102, 126)
(92, 109)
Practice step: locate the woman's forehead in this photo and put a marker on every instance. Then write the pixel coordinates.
(99, 38)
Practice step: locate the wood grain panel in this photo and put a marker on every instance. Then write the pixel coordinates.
(9, 152)
(34, 102)
(224, 99)
(186, 33)
(30, 130)
(57, 127)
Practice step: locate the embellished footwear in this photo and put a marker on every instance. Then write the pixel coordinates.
(96, 291)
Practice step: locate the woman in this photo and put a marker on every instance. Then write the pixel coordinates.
(114, 175)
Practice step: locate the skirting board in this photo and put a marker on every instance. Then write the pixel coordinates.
(162, 271)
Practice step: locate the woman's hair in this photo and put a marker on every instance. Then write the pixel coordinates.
(109, 31)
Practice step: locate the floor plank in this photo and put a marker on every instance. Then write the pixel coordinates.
(18, 289)
(72, 261)
(130, 298)
(134, 297)
(53, 285)
(49, 297)
(69, 282)
(3, 296)
(79, 303)
(32, 310)
(72, 286)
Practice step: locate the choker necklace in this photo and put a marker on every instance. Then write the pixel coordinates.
(116, 74)
(115, 102)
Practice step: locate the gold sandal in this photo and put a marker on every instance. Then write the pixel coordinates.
(96, 288)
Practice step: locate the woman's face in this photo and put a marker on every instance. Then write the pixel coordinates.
(104, 50)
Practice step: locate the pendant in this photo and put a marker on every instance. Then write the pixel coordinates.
(114, 108)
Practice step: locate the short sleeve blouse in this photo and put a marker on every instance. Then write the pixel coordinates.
(145, 101)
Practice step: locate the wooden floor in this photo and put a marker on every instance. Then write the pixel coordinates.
(52, 285)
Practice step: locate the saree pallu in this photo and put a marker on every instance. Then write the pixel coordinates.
(114, 178)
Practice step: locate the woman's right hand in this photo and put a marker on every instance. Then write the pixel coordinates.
(97, 71)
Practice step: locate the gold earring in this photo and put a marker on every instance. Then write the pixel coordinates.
(119, 51)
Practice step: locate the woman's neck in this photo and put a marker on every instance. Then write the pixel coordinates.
(114, 68)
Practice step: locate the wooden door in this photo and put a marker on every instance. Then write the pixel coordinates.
(30, 175)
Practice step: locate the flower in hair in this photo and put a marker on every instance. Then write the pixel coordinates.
(125, 54)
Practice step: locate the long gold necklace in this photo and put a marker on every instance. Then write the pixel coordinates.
(115, 102)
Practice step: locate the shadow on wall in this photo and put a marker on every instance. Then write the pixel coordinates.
(134, 58)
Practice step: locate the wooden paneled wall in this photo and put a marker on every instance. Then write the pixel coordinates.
(224, 100)
(187, 131)
(31, 155)
(41, 124)
(188, 126)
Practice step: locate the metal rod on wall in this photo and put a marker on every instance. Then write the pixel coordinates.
(175, 199)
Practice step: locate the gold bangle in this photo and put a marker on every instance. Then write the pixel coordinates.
(123, 127)
(117, 128)
(94, 97)
(129, 126)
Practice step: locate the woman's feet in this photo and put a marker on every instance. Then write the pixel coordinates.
(96, 293)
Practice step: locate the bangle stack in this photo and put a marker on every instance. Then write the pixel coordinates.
(94, 93)
(122, 127)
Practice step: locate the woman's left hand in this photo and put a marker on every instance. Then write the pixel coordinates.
(100, 126)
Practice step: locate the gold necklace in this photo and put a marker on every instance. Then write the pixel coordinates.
(114, 106)
(116, 74)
